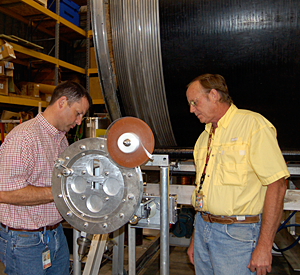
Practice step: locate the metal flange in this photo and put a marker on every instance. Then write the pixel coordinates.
(92, 192)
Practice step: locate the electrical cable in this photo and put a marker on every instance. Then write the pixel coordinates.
(79, 130)
(284, 225)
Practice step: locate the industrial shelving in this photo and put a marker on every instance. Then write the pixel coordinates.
(49, 23)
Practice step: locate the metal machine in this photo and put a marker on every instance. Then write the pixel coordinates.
(98, 185)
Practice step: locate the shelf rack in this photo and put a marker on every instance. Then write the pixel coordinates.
(49, 23)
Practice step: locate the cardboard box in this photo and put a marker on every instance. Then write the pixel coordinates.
(46, 97)
(3, 86)
(6, 51)
(33, 89)
(7, 115)
(23, 90)
(95, 88)
(6, 68)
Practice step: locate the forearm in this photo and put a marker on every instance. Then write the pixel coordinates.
(29, 195)
(272, 213)
(190, 250)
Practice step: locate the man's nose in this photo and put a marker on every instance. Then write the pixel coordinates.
(79, 120)
(192, 108)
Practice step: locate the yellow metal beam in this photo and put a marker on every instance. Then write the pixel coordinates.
(34, 54)
(71, 67)
(98, 101)
(22, 101)
(54, 16)
(47, 58)
(92, 71)
(24, 20)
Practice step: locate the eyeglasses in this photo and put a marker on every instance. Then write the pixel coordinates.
(194, 102)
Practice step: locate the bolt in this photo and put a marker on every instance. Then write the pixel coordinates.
(104, 225)
(82, 147)
(127, 142)
(69, 214)
(130, 197)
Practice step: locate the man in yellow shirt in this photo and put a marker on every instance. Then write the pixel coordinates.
(240, 177)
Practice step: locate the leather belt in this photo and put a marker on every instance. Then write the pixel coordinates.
(228, 220)
(49, 227)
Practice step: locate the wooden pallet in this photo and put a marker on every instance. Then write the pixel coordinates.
(42, 2)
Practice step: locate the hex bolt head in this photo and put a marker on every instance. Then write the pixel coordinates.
(69, 214)
(82, 147)
(130, 197)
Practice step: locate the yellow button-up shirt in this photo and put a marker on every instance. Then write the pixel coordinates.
(244, 159)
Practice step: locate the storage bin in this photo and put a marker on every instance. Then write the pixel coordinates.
(68, 10)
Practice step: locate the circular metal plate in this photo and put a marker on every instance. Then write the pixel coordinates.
(130, 126)
(91, 192)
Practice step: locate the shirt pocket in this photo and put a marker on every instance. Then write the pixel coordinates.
(232, 165)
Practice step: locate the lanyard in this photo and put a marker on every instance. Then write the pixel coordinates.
(207, 158)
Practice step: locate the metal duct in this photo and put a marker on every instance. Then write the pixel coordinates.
(137, 52)
(253, 44)
(107, 81)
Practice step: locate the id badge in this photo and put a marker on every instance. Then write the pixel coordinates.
(46, 258)
(199, 200)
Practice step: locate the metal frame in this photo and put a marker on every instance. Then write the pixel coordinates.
(161, 161)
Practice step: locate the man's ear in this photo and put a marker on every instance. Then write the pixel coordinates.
(214, 95)
(62, 101)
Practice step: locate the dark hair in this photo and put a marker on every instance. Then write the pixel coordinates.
(214, 81)
(72, 90)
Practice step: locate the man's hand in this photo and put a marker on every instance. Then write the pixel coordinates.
(261, 261)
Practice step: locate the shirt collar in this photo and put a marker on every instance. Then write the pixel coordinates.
(224, 120)
(49, 128)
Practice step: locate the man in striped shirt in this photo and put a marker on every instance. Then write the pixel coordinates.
(31, 236)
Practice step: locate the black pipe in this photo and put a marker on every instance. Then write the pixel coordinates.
(187, 153)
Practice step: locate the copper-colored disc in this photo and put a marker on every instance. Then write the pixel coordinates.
(139, 128)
